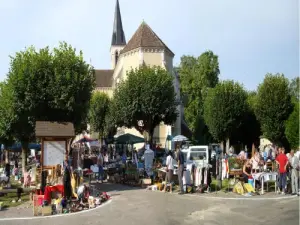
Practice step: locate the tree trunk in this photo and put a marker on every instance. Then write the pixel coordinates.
(69, 148)
(100, 141)
(220, 172)
(6, 156)
(227, 145)
(151, 133)
(24, 155)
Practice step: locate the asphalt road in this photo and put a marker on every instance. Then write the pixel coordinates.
(141, 207)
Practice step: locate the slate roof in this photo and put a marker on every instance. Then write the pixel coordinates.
(145, 37)
(118, 36)
(53, 129)
(104, 78)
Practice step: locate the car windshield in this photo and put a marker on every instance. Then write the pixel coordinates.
(197, 155)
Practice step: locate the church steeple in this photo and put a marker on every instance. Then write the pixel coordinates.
(118, 36)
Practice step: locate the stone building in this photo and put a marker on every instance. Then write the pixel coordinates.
(144, 47)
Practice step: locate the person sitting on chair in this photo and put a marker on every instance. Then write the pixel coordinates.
(247, 171)
(255, 160)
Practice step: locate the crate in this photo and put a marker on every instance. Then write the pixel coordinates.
(37, 204)
(146, 181)
(46, 210)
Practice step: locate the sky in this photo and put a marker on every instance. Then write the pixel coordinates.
(251, 38)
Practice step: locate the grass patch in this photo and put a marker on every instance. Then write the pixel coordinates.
(214, 185)
(7, 199)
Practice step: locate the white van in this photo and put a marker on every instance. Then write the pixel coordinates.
(197, 155)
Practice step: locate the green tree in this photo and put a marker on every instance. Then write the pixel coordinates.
(197, 75)
(99, 107)
(7, 115)
(145, 99)
(273, 107)
(224, 109)
(110, 126)
(292, 127)
(249, 131)
(48, 85)
(294, 88)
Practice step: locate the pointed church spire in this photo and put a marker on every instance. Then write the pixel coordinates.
(118, 36)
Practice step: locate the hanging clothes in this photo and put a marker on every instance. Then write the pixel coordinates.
(67, 183)
(205, 175)
(198, 176)
(224, 169)
(186, 177)
(189, 169)
(202, 175)
(148, 157)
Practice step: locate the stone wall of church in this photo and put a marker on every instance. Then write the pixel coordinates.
(152, 58)
(169, 61)
(130, 61)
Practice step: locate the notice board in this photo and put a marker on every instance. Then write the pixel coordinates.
(54, 153)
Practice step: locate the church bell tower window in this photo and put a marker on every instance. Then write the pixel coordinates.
(116, 57)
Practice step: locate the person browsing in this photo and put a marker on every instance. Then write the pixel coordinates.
(180, 159)
(294, 164)
(170, 169)
(282, 161)
(100, 167)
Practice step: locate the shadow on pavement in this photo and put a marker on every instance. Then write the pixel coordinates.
(109, 187)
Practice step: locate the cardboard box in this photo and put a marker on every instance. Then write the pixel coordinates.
(46, 210)
(146, 181)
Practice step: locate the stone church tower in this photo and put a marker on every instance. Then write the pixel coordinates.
(118, 41)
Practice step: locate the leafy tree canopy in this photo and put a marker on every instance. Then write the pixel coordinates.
(273, 106)
(252, 99)
(110, 125)
(224, 109)
(294, 89)
(249, 131)
(99, 107)
(49, 85)
(7, 115)
(292, 127)
(196, 76)
(145, 99)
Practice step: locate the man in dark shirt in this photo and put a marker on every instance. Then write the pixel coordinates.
(7, 170)
(180, 160)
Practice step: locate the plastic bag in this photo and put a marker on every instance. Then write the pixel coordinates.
(239, 189)
(249, 188)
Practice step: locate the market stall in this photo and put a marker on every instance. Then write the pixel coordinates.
(248, 173)
(60, 188)
(131, 167)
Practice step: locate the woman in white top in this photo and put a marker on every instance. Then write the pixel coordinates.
(255, 160)
(170, 169)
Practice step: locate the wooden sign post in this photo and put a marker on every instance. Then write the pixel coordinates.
(54, 143)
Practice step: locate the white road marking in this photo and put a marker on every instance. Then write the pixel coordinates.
(53, 216)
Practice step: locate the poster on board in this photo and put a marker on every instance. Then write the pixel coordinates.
(54, 153)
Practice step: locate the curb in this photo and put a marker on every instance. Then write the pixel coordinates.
(236, 198)
(55, 216)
